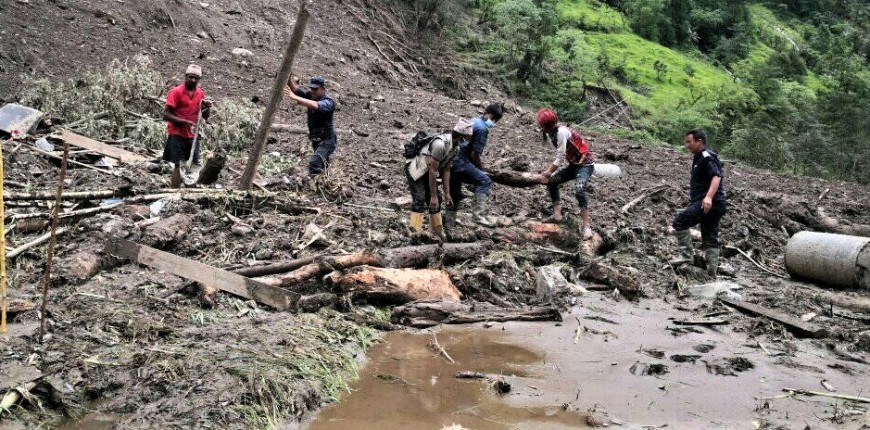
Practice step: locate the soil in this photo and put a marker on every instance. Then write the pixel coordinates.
(130, 342)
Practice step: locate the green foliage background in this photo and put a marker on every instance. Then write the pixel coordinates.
(783, 85)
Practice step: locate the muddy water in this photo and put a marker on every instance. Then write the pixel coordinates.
(405, 385)
(727, 381)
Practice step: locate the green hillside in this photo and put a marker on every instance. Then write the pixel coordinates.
(768, 80)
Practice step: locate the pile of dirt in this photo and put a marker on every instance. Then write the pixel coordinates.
(132, 341)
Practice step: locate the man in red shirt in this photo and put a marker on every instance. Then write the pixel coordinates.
(184, 104)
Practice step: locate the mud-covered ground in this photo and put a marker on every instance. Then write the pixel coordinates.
(136, 344)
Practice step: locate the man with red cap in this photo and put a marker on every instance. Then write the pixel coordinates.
(573, 162)
(185, 104)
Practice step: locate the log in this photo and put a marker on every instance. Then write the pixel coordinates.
(71, 195)
(515, 179)
(212, 170)
(34, 243)
(798, 327)
(281, 79)
(422, 314)
(411, 256)
(13, 396)
(241, 286)
(73, 214)
(647, 194)
(395, 286)
(600, 272)
(271, 269)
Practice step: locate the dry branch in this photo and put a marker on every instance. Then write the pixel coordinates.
(34, 243)
(423, 314)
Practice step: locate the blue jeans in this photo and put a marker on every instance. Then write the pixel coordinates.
(323, 150)
(467, 174)
(573, 172)
(694, 215)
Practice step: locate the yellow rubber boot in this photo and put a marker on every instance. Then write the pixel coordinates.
(416, 223)
(437, 226)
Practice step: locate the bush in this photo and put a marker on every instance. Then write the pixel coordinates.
(122, 101)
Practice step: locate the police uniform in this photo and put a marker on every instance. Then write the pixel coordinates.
(705, 166)
(321, 130)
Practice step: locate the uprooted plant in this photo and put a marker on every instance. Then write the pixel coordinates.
(125, 100)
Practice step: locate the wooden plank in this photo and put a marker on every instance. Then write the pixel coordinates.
(795, 325)
(229, 282)
(122, 155)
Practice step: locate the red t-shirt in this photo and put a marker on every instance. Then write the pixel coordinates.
(186, 107)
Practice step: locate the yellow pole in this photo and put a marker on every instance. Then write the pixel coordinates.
(2, 248)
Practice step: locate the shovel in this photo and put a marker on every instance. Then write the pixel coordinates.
(188, 176)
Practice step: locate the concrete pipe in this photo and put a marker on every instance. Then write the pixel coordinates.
(607, 170)
(833, 259)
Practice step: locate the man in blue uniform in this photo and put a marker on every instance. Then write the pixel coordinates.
(468, 169)
(706, 201)
(321, 131)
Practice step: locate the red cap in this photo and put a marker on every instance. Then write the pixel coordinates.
(547, 119)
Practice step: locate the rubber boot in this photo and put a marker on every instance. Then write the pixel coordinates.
(437, 225)
(687, 252)
(416, 223)
(713, 262)
(481, 207)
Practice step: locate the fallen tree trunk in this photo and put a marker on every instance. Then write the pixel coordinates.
(597, 271)
(515, 179)
(395, 286)
(34, 243)
(72, 195)
(271, 269)
(411, 256)
(798, 327)
(423, 314)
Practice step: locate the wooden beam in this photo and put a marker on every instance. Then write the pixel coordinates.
(229, 282)
(795, 325)
(122, 155)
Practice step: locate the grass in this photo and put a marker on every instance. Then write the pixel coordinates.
(592, 15)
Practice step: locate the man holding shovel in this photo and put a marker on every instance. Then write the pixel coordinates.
(186, 107)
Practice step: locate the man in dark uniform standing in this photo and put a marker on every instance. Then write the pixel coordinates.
(707, 201)
(321, 131)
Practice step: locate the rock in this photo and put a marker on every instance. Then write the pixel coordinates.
(713, 290)
(315, 302)
(476, 103)
(242, 52)
(81, 266)
(241, 230)
(595, 421)
(403, 202)
(384, 184)
(378, 98)
(398, 124)
(167, 232)
(134, 212)
(116, 226)
(264, 254)
(511, 106)
(549, 282)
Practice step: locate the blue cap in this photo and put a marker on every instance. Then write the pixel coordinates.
(317, 82)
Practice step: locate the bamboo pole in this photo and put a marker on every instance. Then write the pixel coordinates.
(2, 248)
(55, 217)
(277, 94)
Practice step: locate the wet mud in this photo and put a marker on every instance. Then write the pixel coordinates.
(563, 373)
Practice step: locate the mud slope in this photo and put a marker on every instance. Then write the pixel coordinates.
(136, 344)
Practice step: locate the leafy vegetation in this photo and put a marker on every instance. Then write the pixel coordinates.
(122, 101)
(783, 85)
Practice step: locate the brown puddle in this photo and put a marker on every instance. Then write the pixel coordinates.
(406, 385)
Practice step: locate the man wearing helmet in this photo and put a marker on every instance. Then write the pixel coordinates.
(573, 162)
